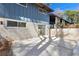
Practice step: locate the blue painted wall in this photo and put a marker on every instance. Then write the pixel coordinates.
(17, 12)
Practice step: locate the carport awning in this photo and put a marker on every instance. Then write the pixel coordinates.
(61, 17)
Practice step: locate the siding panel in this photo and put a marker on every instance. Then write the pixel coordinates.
(17, 12)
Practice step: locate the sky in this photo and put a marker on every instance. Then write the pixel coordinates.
(65, 6)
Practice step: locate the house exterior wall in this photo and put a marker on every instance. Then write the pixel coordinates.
(18, 12)
(29, 14)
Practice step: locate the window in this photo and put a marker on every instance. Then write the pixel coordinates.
(12, 23)
(15, 24)
(20, 24)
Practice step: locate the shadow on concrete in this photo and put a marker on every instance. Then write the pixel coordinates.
(35, 51)
(64, 48)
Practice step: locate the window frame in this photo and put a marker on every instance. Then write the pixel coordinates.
(18, 24)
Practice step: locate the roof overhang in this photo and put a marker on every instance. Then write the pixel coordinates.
(44, 6)
(54, 14)
(61, 18)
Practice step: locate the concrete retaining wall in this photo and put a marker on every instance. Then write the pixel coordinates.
(69, 33)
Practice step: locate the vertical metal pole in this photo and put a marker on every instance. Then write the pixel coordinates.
(49, 32)
(56, 26)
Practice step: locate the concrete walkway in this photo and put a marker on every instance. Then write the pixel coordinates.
(44, 47)
(64, 45)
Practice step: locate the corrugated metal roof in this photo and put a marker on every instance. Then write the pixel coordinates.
(60, 16)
